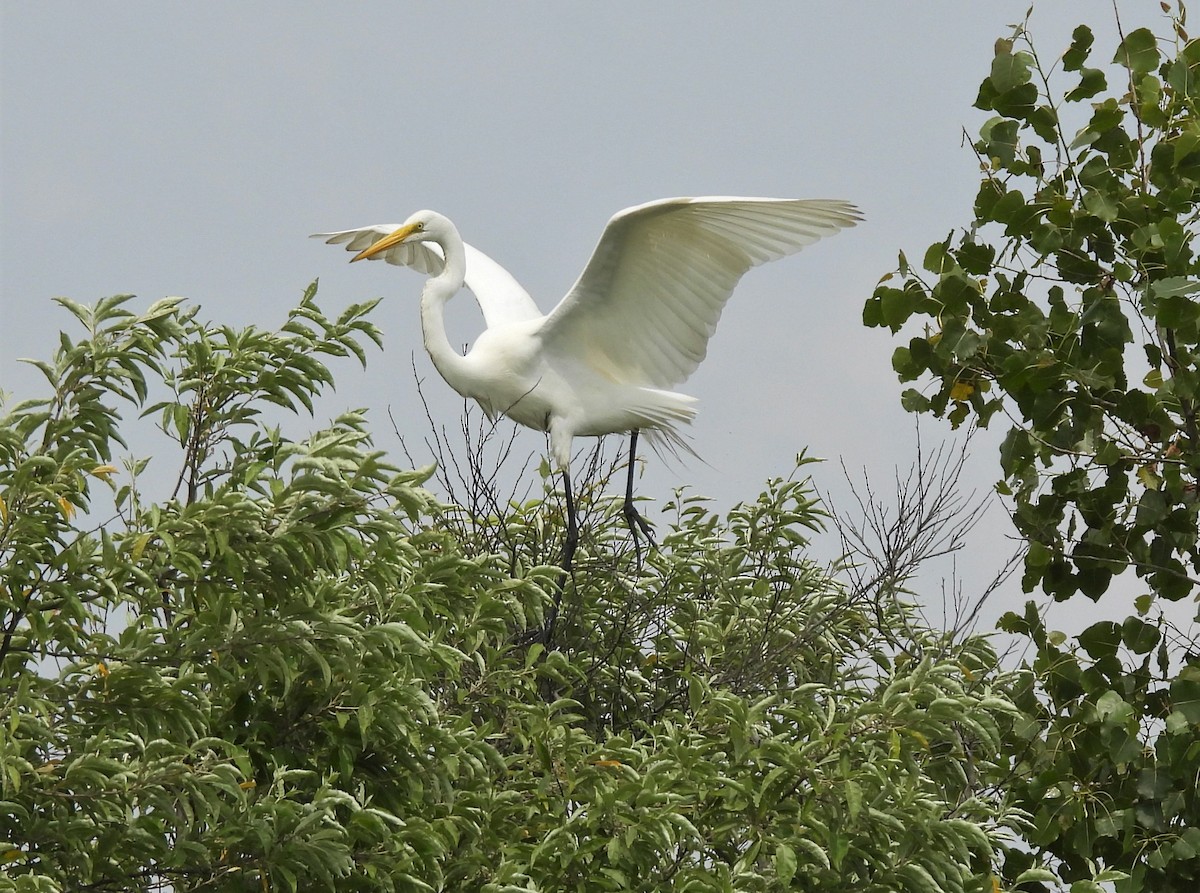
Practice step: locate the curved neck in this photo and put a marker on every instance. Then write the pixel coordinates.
(438, 290)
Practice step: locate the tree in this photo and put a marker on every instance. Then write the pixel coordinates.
(284, 665)
(1066, 306)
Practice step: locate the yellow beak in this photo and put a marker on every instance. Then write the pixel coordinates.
(386, 242)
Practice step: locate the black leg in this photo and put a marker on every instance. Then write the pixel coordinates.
(567, 560)
(572, 524)
(632, 516)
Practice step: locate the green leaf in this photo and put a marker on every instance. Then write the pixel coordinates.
(1101, 639)
(914, 401)
(785, 863)
(938, 258)
(1081, 46)
(1101, 205)
(976, 259)
(917, 878)
(895, 306)
(1152, 508)
(1111, 707)
(854, 799)
(1009, 69)
(1139, 637)
(1138, 51)
(1185, 694)
(814, 851)
(1036, 875)
(1091, 82)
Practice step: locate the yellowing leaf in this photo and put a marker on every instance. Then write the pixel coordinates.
(10, 856)
(961, 390)
(139, 546)
(102, 669)
(608, 764)
(3, 511)
(104, 471)
(248, 785)
(924, 741)
(66, 507)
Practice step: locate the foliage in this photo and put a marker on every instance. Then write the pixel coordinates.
(1106, 760)
(1067, 306)
(1079, 251)
(293, 669)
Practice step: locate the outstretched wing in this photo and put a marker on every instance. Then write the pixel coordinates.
(649, 299)
(500, 296)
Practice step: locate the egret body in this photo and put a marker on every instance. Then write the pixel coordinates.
(635, 324)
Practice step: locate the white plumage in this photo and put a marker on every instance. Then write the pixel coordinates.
(635, 324)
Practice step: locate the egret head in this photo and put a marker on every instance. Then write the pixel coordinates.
(420, 227)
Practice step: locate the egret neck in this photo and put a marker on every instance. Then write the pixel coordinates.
(450, 364)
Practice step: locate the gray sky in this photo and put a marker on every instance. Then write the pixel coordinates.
(188, 149)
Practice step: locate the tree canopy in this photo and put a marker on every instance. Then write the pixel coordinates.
(297, 670)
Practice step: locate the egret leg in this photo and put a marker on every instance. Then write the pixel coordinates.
(632, 516)
(568, 558)
(572, 524)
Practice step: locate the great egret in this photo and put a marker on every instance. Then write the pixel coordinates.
(636, 323)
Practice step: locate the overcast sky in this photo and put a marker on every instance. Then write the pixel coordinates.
(189, 149)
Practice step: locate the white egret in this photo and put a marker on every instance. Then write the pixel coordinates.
(634, 325)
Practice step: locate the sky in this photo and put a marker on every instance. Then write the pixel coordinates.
(189, 149)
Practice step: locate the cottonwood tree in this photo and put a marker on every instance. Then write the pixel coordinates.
(1066, 309)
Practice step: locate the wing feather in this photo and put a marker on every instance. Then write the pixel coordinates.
(651, 295)
(499, 295)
